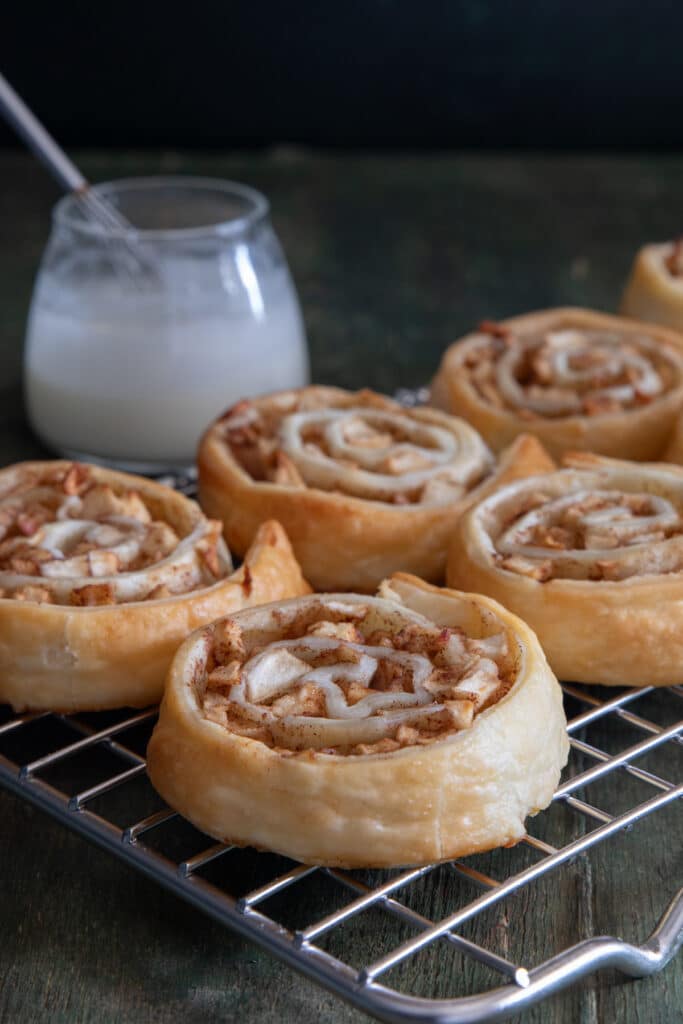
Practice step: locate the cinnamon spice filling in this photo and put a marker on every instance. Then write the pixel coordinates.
(375, 451)
(67, 538)
(345, 678)
(568, 371)
(595, 531)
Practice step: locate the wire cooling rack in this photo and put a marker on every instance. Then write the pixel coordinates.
(89, 772)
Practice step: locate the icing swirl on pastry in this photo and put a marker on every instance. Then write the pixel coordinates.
(585, 526)
(568, 372)
(348, 675)
(378, 452)
(67, 538)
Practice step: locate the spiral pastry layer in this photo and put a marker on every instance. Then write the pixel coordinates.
(575, 379)
(654, 290)
(320, 693)
(365, 450)
(362, 485)
(68, 537)
(592, 555)
(102, 574)
(351, 676)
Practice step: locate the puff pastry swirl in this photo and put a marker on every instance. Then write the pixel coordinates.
(654, 290)
(592, 557)
(362, 485)
(342, 729)
(573, 378)
(102, 574)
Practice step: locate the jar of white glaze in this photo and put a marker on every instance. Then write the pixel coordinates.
(137, 339)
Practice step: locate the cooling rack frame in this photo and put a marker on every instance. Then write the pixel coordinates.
(362, 988)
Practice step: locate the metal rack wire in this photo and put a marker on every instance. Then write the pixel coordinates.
(54, 742)
(88, 771)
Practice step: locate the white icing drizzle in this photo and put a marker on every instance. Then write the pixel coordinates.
(572, 371)
(352, 706)
(116, 542)
(597, 530)
(380, 455)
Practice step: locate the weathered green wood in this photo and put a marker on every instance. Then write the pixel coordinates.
(393, 257)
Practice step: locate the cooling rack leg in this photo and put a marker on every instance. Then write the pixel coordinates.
(604, 951)
(667, 938)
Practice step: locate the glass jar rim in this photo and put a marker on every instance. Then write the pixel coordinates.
(67, 212)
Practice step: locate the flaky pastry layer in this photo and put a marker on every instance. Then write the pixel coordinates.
(575, 379)
(654, 290)
(592, 557)
(362, 486)
(340, 729)
(61, 646)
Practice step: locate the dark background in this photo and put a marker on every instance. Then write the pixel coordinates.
(362, 73)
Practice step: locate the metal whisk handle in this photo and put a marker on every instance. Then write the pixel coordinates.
(27, 125)
(41, 143)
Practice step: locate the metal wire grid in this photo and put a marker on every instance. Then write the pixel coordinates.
(72, 803)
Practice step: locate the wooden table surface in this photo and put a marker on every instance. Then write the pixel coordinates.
(393, 257)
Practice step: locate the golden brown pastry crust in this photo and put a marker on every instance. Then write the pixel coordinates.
(343, 541)
(616, 631)
(674, 450)
(60, 657)
(637, 432)
(470, 791)
(654, 290)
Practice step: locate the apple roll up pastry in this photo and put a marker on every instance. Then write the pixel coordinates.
(362, 485)
(573, 378)
(654, 290)
(103, 574)
(342, 729)
(592, 557)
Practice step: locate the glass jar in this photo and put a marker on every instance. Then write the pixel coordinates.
(137, 339)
